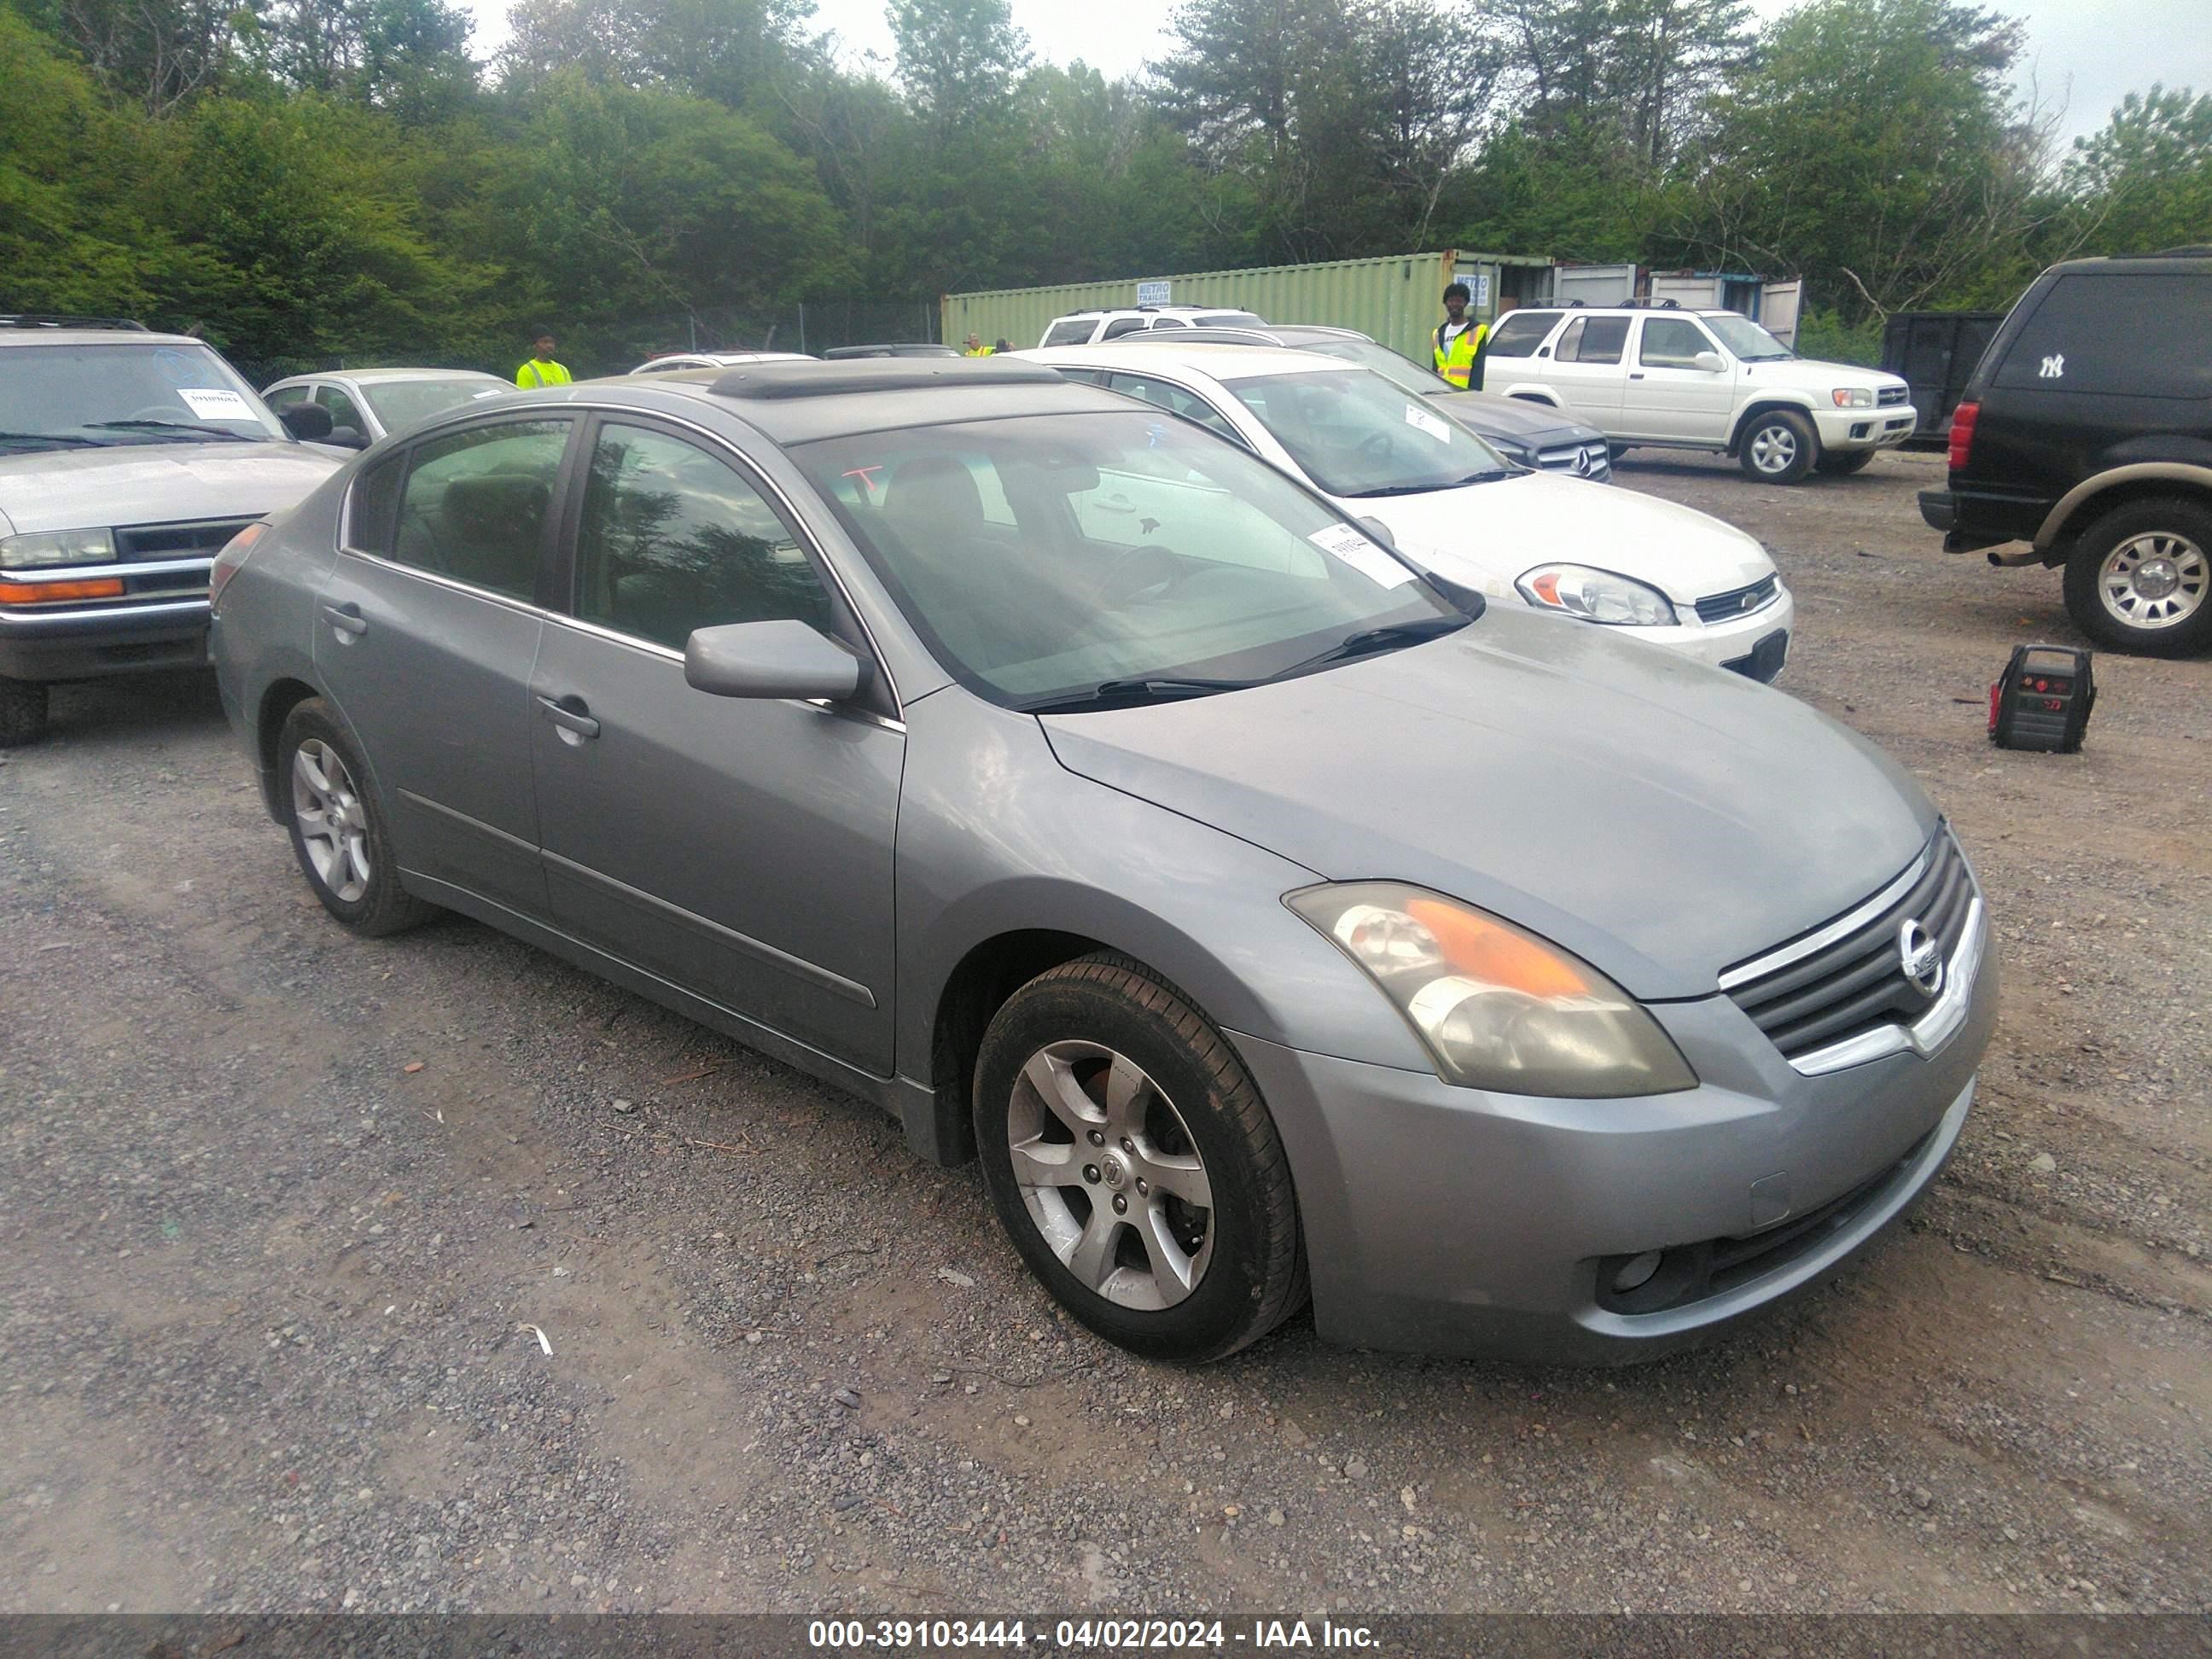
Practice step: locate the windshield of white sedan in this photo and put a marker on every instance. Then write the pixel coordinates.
(1100, 558)
(86, 396)
(1356, 434)
(1750, 342)
(402, 403)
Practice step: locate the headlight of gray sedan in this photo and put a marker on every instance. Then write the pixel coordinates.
(1598, 596)
(58, 547)
(1496, 1007)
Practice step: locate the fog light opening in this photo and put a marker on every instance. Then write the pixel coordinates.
(1636, 1272)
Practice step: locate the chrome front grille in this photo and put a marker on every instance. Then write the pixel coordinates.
(1891, 396)
(1591, 460)
(1739, 601)
(176, 541)
(1846, 980)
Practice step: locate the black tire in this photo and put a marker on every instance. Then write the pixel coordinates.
(23, 711)
(380, 906)
(1771, 436)
(1255, 1276)
(1841, 464)
(2100, 592)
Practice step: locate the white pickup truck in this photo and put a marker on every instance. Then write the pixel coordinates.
(1699, 379)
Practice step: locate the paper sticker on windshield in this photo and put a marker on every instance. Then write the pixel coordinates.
(216, 403)
(1341, 541)
(1434, 425)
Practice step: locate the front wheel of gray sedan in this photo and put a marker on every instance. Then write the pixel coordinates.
(1134, 1165)
(337, 833)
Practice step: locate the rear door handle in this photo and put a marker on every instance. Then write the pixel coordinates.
(346, 618)
(1637, 375)
(573, 722)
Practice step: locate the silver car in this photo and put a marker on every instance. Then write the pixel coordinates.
(368, 404)
(1268, 922)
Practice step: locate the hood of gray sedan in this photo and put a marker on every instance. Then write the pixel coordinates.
(156, 483)
(1660, 819)
(1512, 417)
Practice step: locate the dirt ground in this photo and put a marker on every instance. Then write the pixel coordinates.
(433, 1274)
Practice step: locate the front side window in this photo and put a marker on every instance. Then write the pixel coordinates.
(475, 502)
(1671, 342)
(1140, 548)
(1521, 333)
(77, 396)
(343, 411)
(1174, 401)
(285, 396)
(1355, 435)
(674, 540)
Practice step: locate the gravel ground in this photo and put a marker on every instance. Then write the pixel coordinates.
(283, 1216)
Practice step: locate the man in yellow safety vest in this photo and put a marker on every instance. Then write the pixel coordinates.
(975, 347)
(541, 370)
(1459, 342)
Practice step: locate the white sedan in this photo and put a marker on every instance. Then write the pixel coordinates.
(366, 404)
(1452, 505)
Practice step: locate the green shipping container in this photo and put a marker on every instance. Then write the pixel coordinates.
(1397, 299)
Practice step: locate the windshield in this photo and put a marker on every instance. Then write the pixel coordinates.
(1750, 342)
(1400, 372)
(402, 403)
(1356, 434)
(56, 396)
(1043, 558)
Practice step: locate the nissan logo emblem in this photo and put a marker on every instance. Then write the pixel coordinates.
(1921, 956)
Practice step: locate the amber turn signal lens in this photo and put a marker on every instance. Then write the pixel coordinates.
(107, 587)
(1495, 955)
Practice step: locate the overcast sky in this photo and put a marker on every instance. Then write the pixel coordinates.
(2086, 51)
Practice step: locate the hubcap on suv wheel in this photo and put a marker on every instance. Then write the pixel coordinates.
(1110, 1175)
(1774, 449)
(333, 823)
(2154, 581)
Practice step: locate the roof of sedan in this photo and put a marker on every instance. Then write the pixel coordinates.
(382, 376)
(1222, 361)
(795, 403)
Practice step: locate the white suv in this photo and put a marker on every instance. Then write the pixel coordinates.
(1699, 379)
(1090, 327)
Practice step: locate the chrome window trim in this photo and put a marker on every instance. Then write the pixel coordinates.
(750, 469)
(1932, 1030)
(1857, 917)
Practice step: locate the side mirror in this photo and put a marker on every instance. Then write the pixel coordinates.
(347, 437)
(309, 423)
(785, 659)
(1711, 362)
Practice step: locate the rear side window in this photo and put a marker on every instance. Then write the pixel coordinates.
(1169, 322)
(1592, 340)
(1520, 334)
(373, 509)
(2147, 335)
(1121, 325)
(474, 505)
(1076, 331)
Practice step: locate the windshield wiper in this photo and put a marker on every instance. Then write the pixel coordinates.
(48, 438)
(167, 426)
(1376, 639)
(1152, 688)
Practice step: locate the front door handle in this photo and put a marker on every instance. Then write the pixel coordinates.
(346, 618)
(571, 714)
(1637, 375)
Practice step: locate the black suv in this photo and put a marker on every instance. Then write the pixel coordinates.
(2086, 432)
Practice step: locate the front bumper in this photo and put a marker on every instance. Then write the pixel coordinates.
(1852, 429)
(1734, 644)
(52, 643)
(1449, 1220)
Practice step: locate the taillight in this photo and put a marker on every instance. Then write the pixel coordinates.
(228, 562)
(1962, 434)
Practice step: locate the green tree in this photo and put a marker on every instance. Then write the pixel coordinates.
(2143, 180)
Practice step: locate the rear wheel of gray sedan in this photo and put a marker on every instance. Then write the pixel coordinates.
(1134, 1164)
(1778, 447)
(336, 834)
(22, 713)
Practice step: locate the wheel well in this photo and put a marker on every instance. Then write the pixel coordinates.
(2111, 499)
(277, 703)
(1766, 407)
(975, 990)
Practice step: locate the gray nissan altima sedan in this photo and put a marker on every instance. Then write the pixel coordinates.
(1267, 921)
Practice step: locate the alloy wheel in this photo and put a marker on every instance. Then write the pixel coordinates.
(333, 820)
(1111, 1175)
(1774, 448)
(2154, 581)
